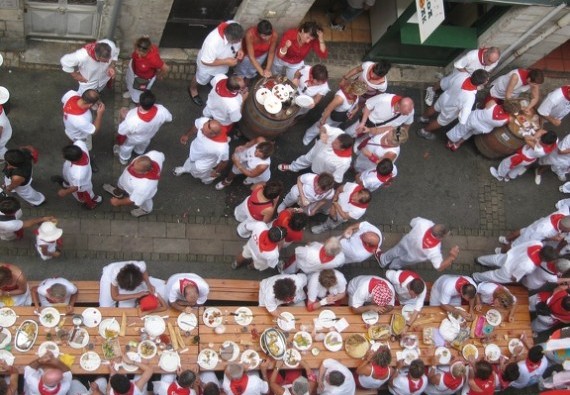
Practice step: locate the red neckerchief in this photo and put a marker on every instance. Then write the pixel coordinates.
(351, 198)
(349, 96)
(519, 157)
(131, 390)
(83, 161)
(368, 248)
(468, 85)
(238, 387)
(548, 148)
(551, 266)
(523, 74)
(451, 382)
(222, 89)
(222, 28)
(481, 56)
(149, 115)
(429, 240)
(415, 386)
(324, 257)
(461, 281)
(44, 391)
(531, 366)
(383, 179)
(175, 389)
(343, 153)
(379, 371)
(72, 106)
(90, 48)
(184, 283)
(153, 174)
(405, 275)
(499, 113)
(310, 79)
(533, 253)
(395, 100)
(264, 243)
(555, 220)
(566, 91)
(1, 109)
(220, 138)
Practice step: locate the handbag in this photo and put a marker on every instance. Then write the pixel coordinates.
(339, 116)
(140, 84)
(148, 302)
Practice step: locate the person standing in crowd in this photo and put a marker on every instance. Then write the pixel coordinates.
(374, 75)
(18, 171)
(11, 225)
(374, 148)
(294, 47)
(48, 240)
(258, 45)
(516, 82)
(315, 257)
(556, 105)
(225, 101)
(5, 126)
(220, 51)
(262, 248)
(380, 176)
(312, 81)
(143, 69)
(260, 205)
(310, 193)
(348, 11)
(92, 66)
(360, 241)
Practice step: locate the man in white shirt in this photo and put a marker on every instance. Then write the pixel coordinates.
(220, 51)
(335, 379)
(324, 288)
(532, 368)
(311, 192)
(316, 256)
(360, 242)
(456, 102)
(11, 225)
(182, 383)
(550, 228)
(47, 375)
(516, 82)
(558, 160)
(382, 113)
(282, 289)
(56, 291)
(414, 382)
(139, 127)
(410, 290)
(312, 81)
(186, 290)
(332, 153)
(448, 292)
(209, 151)
(370, 293)
(93, 65)
(225, 100)
(262, 248)
(120, 383)
(422, 243)
(138, 184)
(556, 105)
(380, 176)
(237, 381)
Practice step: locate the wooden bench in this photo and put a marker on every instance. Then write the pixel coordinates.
(221, 290)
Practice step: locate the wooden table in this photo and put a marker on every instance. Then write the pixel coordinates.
(133, 334)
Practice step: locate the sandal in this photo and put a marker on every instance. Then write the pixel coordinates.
(284, 167)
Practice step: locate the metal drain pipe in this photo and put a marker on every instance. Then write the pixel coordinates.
(114, 18)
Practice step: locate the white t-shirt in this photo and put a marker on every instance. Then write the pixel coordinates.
(308, 258)
(174, 290)
(444, 290)
(527, 378)
(353, 249)
(248, 159)
(499, 88)
(225, 110)
(416, 250)
(205, 152)
(32, 379)
(358, 294)
(314, 90)
(78, 122)
(141, 189)
(345, 105)
(166, 380)
(7, 228)
(255, 385)
(542, 228)
(374, 145)
(43, 287)
(353, 211)
(366, 66)
(138, 130)
(267, 297)
(346, 388)
(371, 181)
(315, 291)
(473, 60)
(216, 46)
(486, 290)
(455, 101)
(309, 181)
(555, 105)
(382, 109)
(261, 259)
(518, 263)
(79, 174)
(403, 385)
(326, 160)
(483, 121)
(400, 279)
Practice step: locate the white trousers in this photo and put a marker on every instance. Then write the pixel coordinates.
(462, 132)
(505, 170)
(392, 258)
(127, 148)
(205, 176)
(313, 131)
(27, 192)
(147, 205)
(303, 161)
(289, 69)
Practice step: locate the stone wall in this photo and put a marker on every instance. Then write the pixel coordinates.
(12, 36)
(283, 15)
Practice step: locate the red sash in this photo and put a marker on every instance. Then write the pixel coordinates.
(264, 243)
(238, 387)
(324, 257)
(184, 283)
(384, 179)
(531, 366)
(222, 89)
(499, 113)
(566, 91)
(1, 109)
(379, 371)
(222, 28)
(351, 198)
(519, 158)
(555, 220)
(481, 56)
(395, 100)
(533, 253)
(468, 85)
(451, 382)
(44, 391)
(149, 115)
(429, 240)
(415, 386)
(72, 107)
(153, 174)
(90, 48)
(175, 389)
(367, 247)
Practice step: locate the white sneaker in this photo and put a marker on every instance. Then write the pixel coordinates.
(503, 240)
(562, 178)
(116, 149)
(498, 250)
(561, 188)
(139, 212)
(178, 171)
(430, 95)
(495, 174)
(424, 120)
(425, 135)
(123, 162)
(98, 199)
(537, 177)
(126, 95)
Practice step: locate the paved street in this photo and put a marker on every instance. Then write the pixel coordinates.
(192, 226)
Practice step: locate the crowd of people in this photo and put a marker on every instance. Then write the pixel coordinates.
(363, 127)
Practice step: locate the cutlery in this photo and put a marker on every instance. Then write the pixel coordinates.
(184, 350)
(241, 315)
(164, 317)
(329, 319)
(188, 323)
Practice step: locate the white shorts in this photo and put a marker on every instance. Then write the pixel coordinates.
(202, 76)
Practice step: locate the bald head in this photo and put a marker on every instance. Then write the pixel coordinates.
(191, 294)
(492, 55)
(406, 106)
(212, 128)
(439, 231)
(143, 164)
(565, 224)
(52, 377)
(371, 239)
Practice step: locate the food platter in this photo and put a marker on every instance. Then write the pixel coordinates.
(79, 338)
(133, 356)
(229, 351)
(356, 345)
(187, 321)
(370, 317)
(48, 346)
(272, 105)
(398, 324)
(49, 317)
(302, 340)
(91, 317)
(515, 344)
(251, 359)
(90, 361)
(169, 361)
(244, 316)
(327, 318)
(443, 355)
(154, 325)
(111, 349)
(492, 352)
(8, 317)
(292, 358)
(409, 355)
(379, 332)
(286, 321)
(273, 342)
(333, 341)
(494, 317)
(281, 92)
(26, 336)
(147, 349)
(109, 328)
(208, 359)
(470, 350)
(213, 317)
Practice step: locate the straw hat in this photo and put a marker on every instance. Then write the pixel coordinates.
(49, 232)
(358, 87)
(4, 95)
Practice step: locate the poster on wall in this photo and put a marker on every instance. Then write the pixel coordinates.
(430, 16)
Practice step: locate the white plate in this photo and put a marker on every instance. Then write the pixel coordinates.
(7, 357)
(306, 336)
(49, 317)
(85, 339)
(187, 322)
(513, 343)
(133, 356)
(370, 317)
(407, 311)
(287, 324)
(494, 317)
(7, 339)
(261, 94)
(90, 361)
(459, 319)
(8, 317)
(154, 325)
(169, 361)
(470, 346)
(327, 318)
(280, 92)
(213, 317)
(272, 105)
(150, 344)
(443, 355)
(91, 317)
(304, 101)
(334, 337)
(292, 358)
(251, 359)
(235, 354)
(410, 355)
(409, 341)
(208, 359)
(244, 316)
(492, 352)
(48, 346)
(110, 324)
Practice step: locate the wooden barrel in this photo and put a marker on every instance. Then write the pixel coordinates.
(255, 121)
(500, 143)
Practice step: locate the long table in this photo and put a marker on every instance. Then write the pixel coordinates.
(247, 337)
